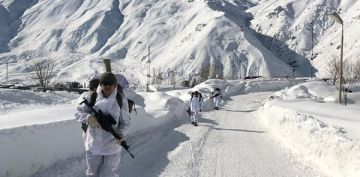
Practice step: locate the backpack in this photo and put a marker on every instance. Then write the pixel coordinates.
(200, 96)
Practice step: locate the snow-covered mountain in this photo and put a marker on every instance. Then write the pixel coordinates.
(225, 38)
(290, 22)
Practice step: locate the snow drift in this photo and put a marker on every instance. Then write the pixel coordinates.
(325, 134)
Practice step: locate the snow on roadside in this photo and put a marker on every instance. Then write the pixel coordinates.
(27, 149)
(13, 100)
(322, 133)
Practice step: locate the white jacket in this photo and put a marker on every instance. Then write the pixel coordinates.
(195, 104)
(97, 140)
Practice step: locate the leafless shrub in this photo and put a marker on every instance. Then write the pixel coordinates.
(333, 70)
(42, 71)
(351, 74)
(204, 72)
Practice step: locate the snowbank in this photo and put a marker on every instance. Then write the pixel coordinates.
(36, 139)
(324, 133)
(159, 109)
(237, 87)
(27, 149)
(318, 142)
(316, 90)
(12, 99)
(260, 85)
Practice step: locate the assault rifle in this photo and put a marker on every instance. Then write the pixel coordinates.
(216, 95)
(106, 122)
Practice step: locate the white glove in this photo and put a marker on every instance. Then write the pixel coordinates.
(93, 122)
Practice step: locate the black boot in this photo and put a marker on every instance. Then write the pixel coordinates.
(195, 124)
(192, 122)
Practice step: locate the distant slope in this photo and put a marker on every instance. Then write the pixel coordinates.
(290, 21)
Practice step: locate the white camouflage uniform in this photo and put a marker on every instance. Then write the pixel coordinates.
(216, 99)
(102, 150)
(195, 106)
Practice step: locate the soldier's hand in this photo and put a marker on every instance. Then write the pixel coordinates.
(93, 122)
(122, 143)
(119, 141)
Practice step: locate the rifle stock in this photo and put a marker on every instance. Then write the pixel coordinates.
(107, 65)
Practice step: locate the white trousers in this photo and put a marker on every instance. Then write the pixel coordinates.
(216, 101)
(194, 116)
(102, 165)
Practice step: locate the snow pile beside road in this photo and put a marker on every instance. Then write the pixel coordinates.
(159, 109)
(11, 99)
(322, 144)
(259, 85)
(316, 90)
(27, 149)
(236, 87)
(32, 140)
(324, 133)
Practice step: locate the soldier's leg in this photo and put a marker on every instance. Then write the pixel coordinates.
(94, 163)
(196, 114)
(110, 166)
(216, 102)
(192, 116)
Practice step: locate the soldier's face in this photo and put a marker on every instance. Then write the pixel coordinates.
(108, 89)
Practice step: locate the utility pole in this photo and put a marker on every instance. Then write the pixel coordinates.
(312, 48)
(7, 72)
(341, 63)
(335, 16)
(148, 71)
(240, 69)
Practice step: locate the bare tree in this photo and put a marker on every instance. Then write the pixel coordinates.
(157, 76)
(153, 79)
(333, 70)
(204, 72)
(351, 76)
(42, 72)
(293, 64)
(173, 78)
(193, 83)
(213, 71)
(159, 79)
